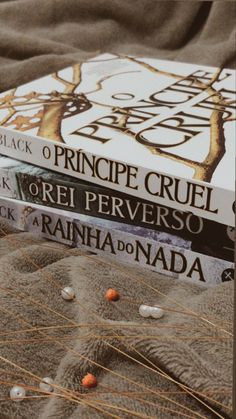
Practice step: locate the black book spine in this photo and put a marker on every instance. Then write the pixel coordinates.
(61, 192)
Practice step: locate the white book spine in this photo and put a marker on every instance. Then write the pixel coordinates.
(209, 202)
(60, 226)
(8, 184)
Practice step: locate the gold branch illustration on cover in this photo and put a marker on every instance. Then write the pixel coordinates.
(52, 108)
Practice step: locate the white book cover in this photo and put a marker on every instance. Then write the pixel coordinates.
(160, 130)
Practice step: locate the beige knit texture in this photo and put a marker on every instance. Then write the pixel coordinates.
(36, 38)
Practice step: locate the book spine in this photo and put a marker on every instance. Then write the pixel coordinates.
(209, 202)
(139, 250)
(8, 184)
(61, 192)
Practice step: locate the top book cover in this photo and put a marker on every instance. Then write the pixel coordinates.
(160, 130)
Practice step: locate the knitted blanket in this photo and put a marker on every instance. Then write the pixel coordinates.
(176, 366)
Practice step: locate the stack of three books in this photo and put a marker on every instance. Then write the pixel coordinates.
(132, 158)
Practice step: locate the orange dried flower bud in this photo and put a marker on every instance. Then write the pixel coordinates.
(112, 295)
(89, 381)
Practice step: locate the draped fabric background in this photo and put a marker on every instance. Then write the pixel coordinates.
(37, 37)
